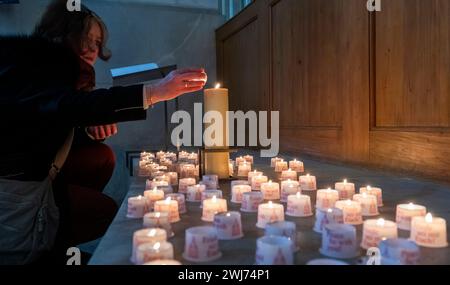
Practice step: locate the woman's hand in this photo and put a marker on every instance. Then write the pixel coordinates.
(102, 132)
(177, 83)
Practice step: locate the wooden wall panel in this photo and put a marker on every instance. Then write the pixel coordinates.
(413, 64)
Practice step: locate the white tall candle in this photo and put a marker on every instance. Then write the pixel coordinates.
(296, 166)
(281, 166)
(151, 235)
(152, 251)
(184, 183)
(257, 181)
(251, 174)
(152, 196)
(238, 191)
(213, 206)
(289, 187)
(351, 211)
(288, 174)
(243, 169)
(170, 206)
(137, 207)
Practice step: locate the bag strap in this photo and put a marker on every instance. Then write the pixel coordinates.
(61, 156)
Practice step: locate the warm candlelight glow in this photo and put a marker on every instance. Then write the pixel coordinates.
(158, 214)
(157, 246)
(410, 205)
(330, 210)
(168, 200)
(218, 85)
(429, 218)
(270, 204)
(228, 215)
(155, 189)
(298, 195)
(307, 174)
(369, 188)
(345, 181)
(214, 199)
(349, 202)
(139, 197)
(381, 222)
(151, 233)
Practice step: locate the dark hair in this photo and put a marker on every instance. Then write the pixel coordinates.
(59, 25)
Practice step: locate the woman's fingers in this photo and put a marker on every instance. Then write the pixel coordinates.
(193, 76)
(188, 70)
(114, 129)
(101, 132)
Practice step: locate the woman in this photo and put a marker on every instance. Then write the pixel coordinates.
(45, 83)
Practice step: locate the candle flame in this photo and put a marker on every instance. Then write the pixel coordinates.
(214, 199)
(270, 181)
(410, 205)
(307, 175)
(289, 180)
(155, 188)
(139, 197)
(381, 222)
(349, 202)
(329, 189)
(152, 233)
(369, 188)
(218, 85)
(330, 210)
(158, 214)
(345, 181)
(429, 218)
(270, 204)
(298, 194)
(168, 200)
(157, 246)
(228, 215)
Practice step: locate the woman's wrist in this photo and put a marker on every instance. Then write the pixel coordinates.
(151, 95)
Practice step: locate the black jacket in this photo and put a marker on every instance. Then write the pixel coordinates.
(39, 103)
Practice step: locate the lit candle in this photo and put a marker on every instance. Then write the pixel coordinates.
(194, 193)
(243, 169)
(373, 191)
(163, 262)
(274, 161)
(210, 181)
(152, 196)
(289, 187)
(201, 244)
(296, 166)
(286, 229)
(228, 225)
(405, 213)
(251, 201)
(429, 231)
(185, 183)
(152, 251)
(239, 182)
(252, 174)
(137, 207)
(274, 250)
(270, 190)
(351, 211)
(158, 220)
(339, 241)
(173, 177)
(249, 158)
(281, 165)
(213, 206)
(288, 174)
(237, 191)
(308, 182)
(346, 190)
(160, 154)
(179, 197)
(326, 198)
(299, 205)
(150, 184)
(240, 160)
(147, 236)
(170, 206)
(368, 204)
(208, 194)
(231, 168)
(187, 171)
(405, 251)
(376, 230)
(257, 181)
(269, 213)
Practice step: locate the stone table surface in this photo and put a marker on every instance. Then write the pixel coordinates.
(115, 247)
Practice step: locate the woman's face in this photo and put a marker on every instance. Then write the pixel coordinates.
(92, 43)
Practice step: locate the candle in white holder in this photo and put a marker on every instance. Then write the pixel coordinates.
(296, 165)
(249, 158)
(208, 194)
(373, 191)
(228, 225)
(274, 250)
(187, 171)
(240, 160)
(170, 206)
(160, 154)
(429, 231)
(239, 182)
(407, 252)
(274, 161)
(405, 213)
(137, 207)
(152, 251)
(251, 201)
(289, 187)
(346, 190)
(308, 182)
(269, 213)
(213, 206)
(173, 176)
(184, 184)
(194, 193)
(270, 190)
(280, 166)
(253, 173)
(284, 228)
(163, 262)
(201, 244)
(351, 211)
(339, 241)
(257, 181)
(151, 235)
(211, 181)
(152, 196)
(376, 230)
(368, 204)
(326, 198)
(243, 169)
(288, 174)
(299, 205)
(237, 191)
(150, 184)
(180, 198)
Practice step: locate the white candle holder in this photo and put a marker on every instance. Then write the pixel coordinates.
(228, 225)
(170, 206)
(346, 190)
(274, 250)
(308, 183)
(271, 190)
(376, 230)
(368, 203)
(403, 250)
(288, 175)
(201, 244)
(152, 196)
(339, 241)
(297, 166)
(286, 229)
(373, 191)
(238, 182)
(280, 166)
(212, 207)
(208, 194)
(251, 174)
(211, 181)
(184, 183)
(158, 220)
(274, 161)
(194, 193)
(179, 197)
(405, 213)
(237, 192)
(251, 201)
(289, 187)
(326, 198)
(429, 231)
(269, 213)
(150, 235)
(351, 210)
(326, 262)
(137, 207)
(243, 169)
(153, 251)
(257, 181)
(248, 158)
(188, 171)
(299, 206)
(163, 262)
